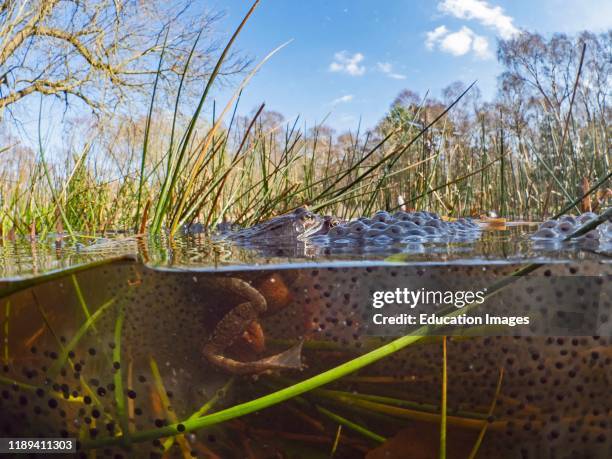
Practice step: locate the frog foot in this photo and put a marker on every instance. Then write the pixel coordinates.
(291, 359)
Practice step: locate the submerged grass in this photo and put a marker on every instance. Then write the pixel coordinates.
(313, 403)
(80, 297)
(87, 325)
(443, 403)
(392, 409)
(162, 394)
(483, 431)
(351, 425)
(314, 382)
(120, 399)
(336, 441)
(383, 400)
(279, 396)
(5, 342)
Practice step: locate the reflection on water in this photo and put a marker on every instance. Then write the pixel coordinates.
(496, 244)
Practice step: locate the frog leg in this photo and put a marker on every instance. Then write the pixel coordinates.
(234, 324)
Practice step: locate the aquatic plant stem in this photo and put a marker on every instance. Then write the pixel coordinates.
(556, 179)
(213, 400)
(162, 209)
(342, 396)
(192, 174)
(397, 412)
(403, 149)
(56, 198)
(491, 411)
(81, 298)
(567, 120)
(145, 144)
(204, 409)
(178, 216)
(29, 387)
(446, 185)
(588, 193)
(266, 401)
(63, 357)
(336, 441)
(331, 415)
(444, 399)
(66, 350)
(5, 339)
(502, 187)
(167, 408)
(118, 379)
(351, 425)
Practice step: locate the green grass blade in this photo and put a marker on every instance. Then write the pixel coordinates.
(351, 425)
(145, 143)
(91, 320)
(118, 379)
(482, 432)
(443, 411)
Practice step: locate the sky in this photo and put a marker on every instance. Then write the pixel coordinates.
(347, 60)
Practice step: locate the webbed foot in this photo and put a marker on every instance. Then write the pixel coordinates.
(291, 359)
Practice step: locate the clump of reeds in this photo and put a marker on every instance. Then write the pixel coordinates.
(164, 171)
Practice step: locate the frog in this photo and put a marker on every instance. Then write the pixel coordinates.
(264, 295)
(242, 320)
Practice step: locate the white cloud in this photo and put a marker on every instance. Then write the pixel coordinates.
(480, 45)
(387, 69)
(479, 10)
(458, 43)
(343, 99)
(434, 35)
(346, 63)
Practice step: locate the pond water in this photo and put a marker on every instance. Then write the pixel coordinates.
(126, 353)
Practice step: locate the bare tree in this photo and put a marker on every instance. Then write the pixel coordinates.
(103, 52)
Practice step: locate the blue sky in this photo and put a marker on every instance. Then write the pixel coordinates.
(350, 59)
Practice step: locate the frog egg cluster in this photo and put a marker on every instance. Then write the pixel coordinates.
(406, 227)
(559, 229)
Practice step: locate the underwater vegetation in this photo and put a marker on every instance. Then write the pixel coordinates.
(126, 367)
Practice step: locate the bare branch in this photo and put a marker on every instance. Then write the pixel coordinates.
(103, 52)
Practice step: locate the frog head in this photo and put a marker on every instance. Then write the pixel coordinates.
(306, 223)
